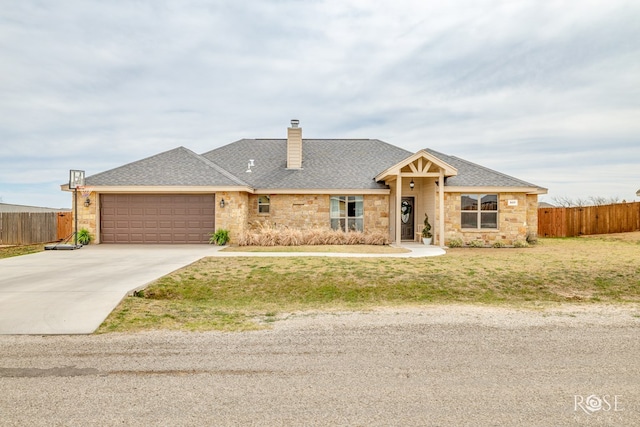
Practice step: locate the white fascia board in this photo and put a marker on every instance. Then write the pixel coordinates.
(468, 189)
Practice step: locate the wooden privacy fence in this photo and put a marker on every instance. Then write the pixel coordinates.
(571, 222)
(25, 228)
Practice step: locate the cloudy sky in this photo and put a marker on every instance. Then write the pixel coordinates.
(547, 91)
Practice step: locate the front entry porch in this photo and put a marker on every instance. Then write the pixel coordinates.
(417, 188)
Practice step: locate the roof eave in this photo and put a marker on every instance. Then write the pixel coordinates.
(337, 191)
(494, 189)
(164, 188)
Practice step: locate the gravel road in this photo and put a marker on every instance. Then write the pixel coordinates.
(437, 366)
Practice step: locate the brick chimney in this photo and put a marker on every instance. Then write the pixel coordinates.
(294, 145)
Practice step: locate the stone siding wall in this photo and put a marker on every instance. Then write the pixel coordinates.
(304, 211)
(87, 216)
(298, 211)
(532, 215)
(514, 222)
(376, 213)
(234, 216)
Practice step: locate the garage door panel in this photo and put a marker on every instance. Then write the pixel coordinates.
(156, 218)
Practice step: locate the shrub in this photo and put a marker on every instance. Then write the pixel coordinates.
(269, 234)
(498, 244)
(220, 237)
(476, 243)
(84, 237)
(456, 243)
(520, 244)
(426, 231)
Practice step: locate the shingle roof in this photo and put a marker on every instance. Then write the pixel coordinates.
(473, 175)
(180, 167)
(326, 163)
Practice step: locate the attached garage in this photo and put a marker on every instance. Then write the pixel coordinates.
(156, 218)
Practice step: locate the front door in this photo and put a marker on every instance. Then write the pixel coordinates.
(406, 218)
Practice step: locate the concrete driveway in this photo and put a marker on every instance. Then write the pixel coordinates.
(72, 292)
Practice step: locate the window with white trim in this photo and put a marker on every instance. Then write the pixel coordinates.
(264, 204)
(347, 213)
(479, 211)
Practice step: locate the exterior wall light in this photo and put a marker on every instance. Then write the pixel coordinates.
(87, 202)
(412, 184)
(222, 203)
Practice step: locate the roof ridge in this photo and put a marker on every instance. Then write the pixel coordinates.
(215, 166)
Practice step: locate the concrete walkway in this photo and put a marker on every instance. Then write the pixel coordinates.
(72, 292)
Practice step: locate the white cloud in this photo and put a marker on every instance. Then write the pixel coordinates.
(93, 85)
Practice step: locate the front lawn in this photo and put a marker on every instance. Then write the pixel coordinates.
(249, 292)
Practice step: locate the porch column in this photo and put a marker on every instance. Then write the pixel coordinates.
(441, 205)
(398, 208)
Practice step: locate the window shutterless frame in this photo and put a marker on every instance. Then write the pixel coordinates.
(264, 204)
(479, 212)
(347, 213)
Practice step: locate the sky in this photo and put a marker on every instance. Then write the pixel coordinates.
(546, 91)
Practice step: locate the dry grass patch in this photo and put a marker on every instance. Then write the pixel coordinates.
(268, 234)
(230, 293)
(352, 249)
(11, 251)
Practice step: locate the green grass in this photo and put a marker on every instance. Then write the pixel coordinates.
(11, 251)
(248, 292)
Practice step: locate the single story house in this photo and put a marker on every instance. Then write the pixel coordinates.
(368, 185)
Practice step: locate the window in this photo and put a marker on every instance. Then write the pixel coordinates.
(263, 204)
(347, 213)
(479, 211)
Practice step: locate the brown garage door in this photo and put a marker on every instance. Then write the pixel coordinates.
(156, 218)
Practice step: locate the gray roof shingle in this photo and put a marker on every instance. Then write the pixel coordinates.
(326, 163)
(179, 166)
(473, 175)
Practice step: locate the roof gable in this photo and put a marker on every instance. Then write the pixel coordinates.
(420, 164)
